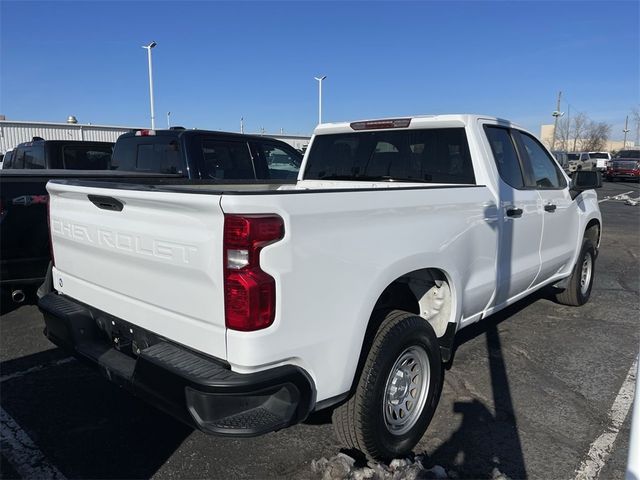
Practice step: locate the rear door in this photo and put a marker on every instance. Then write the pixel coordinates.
(559, 211)
(520, 219)
(151, 258)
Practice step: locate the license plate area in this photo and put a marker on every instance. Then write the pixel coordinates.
(124, 336)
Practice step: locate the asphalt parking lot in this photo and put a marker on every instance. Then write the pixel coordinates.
(528, 392)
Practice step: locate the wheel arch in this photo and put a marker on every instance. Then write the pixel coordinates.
(401, 293)
(593, 231)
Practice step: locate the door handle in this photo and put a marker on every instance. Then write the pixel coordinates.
(550, 208)
(106, 203)
(514, 212)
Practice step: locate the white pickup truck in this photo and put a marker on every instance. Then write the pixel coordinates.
(242, 308)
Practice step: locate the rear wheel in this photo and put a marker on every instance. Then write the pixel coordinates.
(580, 283)
(397, 392)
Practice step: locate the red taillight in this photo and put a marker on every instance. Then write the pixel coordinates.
(145, 133)
(249, 293)
(53, 260)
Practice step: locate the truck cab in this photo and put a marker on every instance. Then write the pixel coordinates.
(206, 155)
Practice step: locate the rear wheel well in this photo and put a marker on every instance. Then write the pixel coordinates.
(592, 232)
(424, 292)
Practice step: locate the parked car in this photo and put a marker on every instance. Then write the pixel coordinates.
(624, 165)
(595, 160)
(627, 154)
(60, 154)
(241, 309)
(139, 157)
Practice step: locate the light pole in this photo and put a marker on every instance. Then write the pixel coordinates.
(626, 130)
(320, 79)
(556, 114)
(568, 124)
(168, 120)
(153, 115)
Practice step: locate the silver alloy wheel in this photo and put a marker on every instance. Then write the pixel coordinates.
(585, 275)
(406, 390)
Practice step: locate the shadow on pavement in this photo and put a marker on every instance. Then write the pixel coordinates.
(486, 440)
(84, 425)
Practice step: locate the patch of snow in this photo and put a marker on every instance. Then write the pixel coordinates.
(342, 467)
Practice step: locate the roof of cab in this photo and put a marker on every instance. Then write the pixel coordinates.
(417, 121)
(40, 141)
(180, 132)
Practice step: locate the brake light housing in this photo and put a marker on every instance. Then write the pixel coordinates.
(145, 133)
(380, 124)
(249, 292)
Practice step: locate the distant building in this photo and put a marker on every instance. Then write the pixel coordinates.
(546, 137)
(12, 133)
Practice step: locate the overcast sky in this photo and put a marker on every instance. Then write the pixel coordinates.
(218, 61)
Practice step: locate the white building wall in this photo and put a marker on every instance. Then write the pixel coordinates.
(546, 137)
(14, 133)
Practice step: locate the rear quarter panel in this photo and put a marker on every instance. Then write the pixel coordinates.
(341, 249)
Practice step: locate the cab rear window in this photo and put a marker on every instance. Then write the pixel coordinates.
(86, 157)
(439, 155)
(148, 154)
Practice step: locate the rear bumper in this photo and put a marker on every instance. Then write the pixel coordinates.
(199, 390)
(614, 174)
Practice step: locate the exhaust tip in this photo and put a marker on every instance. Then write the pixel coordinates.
(18, 296)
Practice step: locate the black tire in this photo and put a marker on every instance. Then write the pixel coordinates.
(577, 293)
(361, 422)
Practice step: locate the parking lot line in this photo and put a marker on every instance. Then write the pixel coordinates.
(37, 368)
(25, 457)
(601, 448)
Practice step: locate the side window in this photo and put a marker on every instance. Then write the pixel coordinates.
(34, 158)
(281, 163)
(18, 159)
(226, 160)
(546, 174)
(504, 153)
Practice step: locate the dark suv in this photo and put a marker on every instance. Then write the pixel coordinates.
(206, 155)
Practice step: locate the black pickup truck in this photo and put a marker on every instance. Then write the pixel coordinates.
(143, 156)
(206, 155)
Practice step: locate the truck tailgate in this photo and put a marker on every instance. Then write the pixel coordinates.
(151, 258)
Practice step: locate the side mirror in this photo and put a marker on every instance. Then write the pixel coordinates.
(582, 180)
